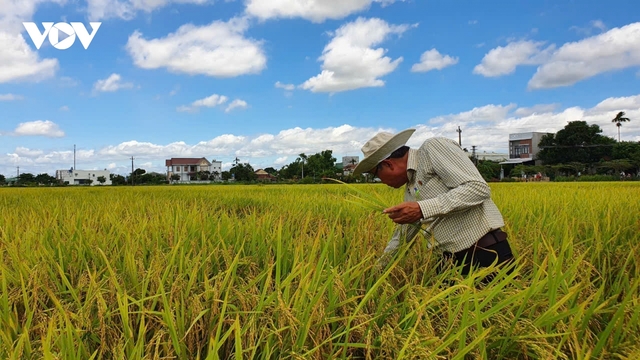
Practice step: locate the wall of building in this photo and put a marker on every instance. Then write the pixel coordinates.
(82, 177)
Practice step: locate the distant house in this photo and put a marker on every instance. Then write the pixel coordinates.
(349, 163)
(188, 168)
(264, 176)
(83, 177)
(523, 148)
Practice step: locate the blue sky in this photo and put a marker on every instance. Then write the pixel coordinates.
(265, 80)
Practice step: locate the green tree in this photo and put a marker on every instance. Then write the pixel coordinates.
(101, 179)
(322, 164)
(243, 172)
(117, 179)
(489, 170)
(577, 142)
(45, 179)
(3, 180)
(292, 170)
(26, 179)
(619, 119)
(175, 177)
(226, 175)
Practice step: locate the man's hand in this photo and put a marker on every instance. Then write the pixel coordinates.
(405, 213)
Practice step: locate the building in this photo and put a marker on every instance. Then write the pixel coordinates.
(264, 176)
(349, 163)
(491, 156)
(523, 148)
(83, 177)
(188, 168)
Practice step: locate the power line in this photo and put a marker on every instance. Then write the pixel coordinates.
(575, 146)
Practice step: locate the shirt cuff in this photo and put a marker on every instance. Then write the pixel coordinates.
(430, 207)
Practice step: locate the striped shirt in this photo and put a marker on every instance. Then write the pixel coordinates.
(454, 198)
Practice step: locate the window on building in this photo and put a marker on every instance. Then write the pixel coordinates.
(520, 150)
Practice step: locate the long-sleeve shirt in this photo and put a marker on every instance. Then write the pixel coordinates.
(454, 198)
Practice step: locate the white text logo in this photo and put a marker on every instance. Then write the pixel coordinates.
(61, 35)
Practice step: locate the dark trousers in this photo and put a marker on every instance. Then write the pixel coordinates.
(482, 254)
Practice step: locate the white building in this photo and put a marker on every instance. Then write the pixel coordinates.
(83, 177)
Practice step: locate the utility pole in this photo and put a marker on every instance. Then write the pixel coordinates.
(74, 157)
(473, 154)
(132, 171)
(18, 174)
(459, 131)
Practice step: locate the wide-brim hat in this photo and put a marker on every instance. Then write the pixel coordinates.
(380, 147)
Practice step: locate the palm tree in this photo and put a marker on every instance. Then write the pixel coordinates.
(303, 157)
(619, 119)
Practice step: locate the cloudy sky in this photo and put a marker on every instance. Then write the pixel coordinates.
(264, 80)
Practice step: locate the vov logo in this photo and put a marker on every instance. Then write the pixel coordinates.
(61, 35)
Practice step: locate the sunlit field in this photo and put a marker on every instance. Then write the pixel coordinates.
(287, 272)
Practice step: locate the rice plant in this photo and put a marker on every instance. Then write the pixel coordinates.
(287, 272)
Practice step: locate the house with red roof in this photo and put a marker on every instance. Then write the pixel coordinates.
(188, 168)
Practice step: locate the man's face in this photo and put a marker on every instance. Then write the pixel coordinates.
(392, 172)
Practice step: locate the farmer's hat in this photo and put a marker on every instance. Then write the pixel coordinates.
(380, 147)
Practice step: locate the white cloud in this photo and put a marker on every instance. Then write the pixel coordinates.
(65, 81)
(38, 128)
(23, 151)
(350, 62)
(616, 49)
(236, 104)
(210, 101)
(288, 87)
(433, 60)
(483, 113)
(316, 11)
(218, 49)
(127, 9)
(473, 22)
(281, 161)
(536, 109)
(504, 60)
(611, 105)
(10, 97)
(486, 126)
(64, 108)
(595, 24)
(14, 12)
(111, 84)
(20, 63)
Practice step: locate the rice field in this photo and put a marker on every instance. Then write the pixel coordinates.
(287, 272)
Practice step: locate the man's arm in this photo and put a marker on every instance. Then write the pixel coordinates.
(457, 172)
